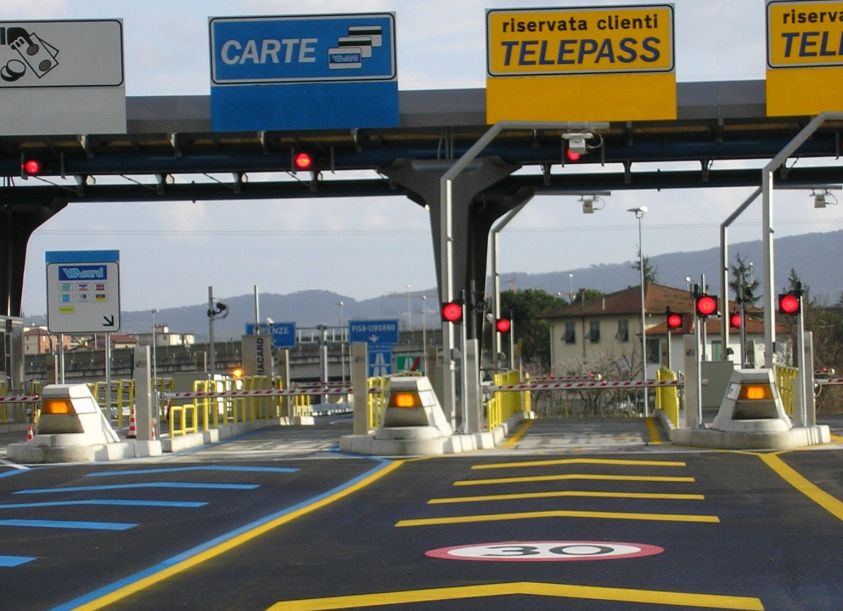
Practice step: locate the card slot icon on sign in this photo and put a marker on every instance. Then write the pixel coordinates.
(344, 58)
(363, 44)
(372, 32)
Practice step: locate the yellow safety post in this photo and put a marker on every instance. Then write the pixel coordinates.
(202, 386)
(503, 405)
(378, 391)
(278, 401)
(215, 402)
(785, 377)
(526, 397)
(667, 397)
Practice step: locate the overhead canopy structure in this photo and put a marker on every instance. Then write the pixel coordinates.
(169, 152)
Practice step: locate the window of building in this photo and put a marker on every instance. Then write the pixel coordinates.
(653, 350)
(594, 331)
(570, 333)
(623, 331)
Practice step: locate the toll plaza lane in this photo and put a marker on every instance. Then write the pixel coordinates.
(67, 531)
(577, 531)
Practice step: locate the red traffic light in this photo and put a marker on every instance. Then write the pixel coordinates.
(705, 305)
(735, 320)
(790, 303)
(572, 156)
(452, 311)
(503, 325)
(30, 167)
(303, 161)
(674, 321)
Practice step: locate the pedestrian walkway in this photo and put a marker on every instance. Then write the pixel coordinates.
(571, 434)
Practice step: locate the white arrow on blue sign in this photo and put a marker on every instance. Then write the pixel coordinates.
(373, 332)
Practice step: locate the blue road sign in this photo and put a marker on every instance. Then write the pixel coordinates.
(251, 50)
(380, 360)
(306, 72)
(373, 332)
(283, 333)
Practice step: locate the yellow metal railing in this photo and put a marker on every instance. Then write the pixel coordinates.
(302, 406)
(785, 377)
(184, 412)
(667, 397)
(125, 398)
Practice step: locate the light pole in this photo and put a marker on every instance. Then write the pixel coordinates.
(340, 304)
(571, 288)
(409, 310)
(639, 214)
(424, 332)
(154, 360)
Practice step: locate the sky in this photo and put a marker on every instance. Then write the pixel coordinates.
(171, 252)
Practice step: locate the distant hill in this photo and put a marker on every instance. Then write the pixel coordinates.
(314, 307)
(821, 274)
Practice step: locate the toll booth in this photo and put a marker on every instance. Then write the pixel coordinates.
(11, 352)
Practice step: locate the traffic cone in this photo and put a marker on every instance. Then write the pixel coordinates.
(133, 426)
(29, 435)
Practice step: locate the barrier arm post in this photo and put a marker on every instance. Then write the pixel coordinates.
(360, 395)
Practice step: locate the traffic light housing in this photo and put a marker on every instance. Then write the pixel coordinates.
(503, 325)
(575, 146)
(705, 305)
(673, 320)
(30, 167)
(790, 303)
(735, 320)
(452, 311)
(304, 161)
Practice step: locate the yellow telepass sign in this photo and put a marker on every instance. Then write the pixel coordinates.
(804, 57)
(580, 40)
(608, 63)
(801, 34)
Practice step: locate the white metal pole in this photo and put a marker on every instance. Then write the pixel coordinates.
(154, 342)
(724, 263)
(61, 358)
(643, 317)
(767, 225)
(424, 334)
(800, 350)
(212, 364)
(697, 356)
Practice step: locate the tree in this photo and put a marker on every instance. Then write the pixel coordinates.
(524, 308)
(743, 285)
(651, 273)
(794, 282)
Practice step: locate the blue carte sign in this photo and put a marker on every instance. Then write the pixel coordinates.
(373, 332)
(303, 72)
(302, 49)
(283, 333)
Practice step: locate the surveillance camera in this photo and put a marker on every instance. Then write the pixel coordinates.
(577, 142)
(221, 307)
(588, 206)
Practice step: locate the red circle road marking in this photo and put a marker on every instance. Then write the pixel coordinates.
(545, 551)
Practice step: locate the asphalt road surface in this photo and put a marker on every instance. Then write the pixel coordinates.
(278, 519)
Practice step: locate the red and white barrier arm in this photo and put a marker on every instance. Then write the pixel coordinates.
(828, 381)
(585, 385)
(269, 392)
(21, 399)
